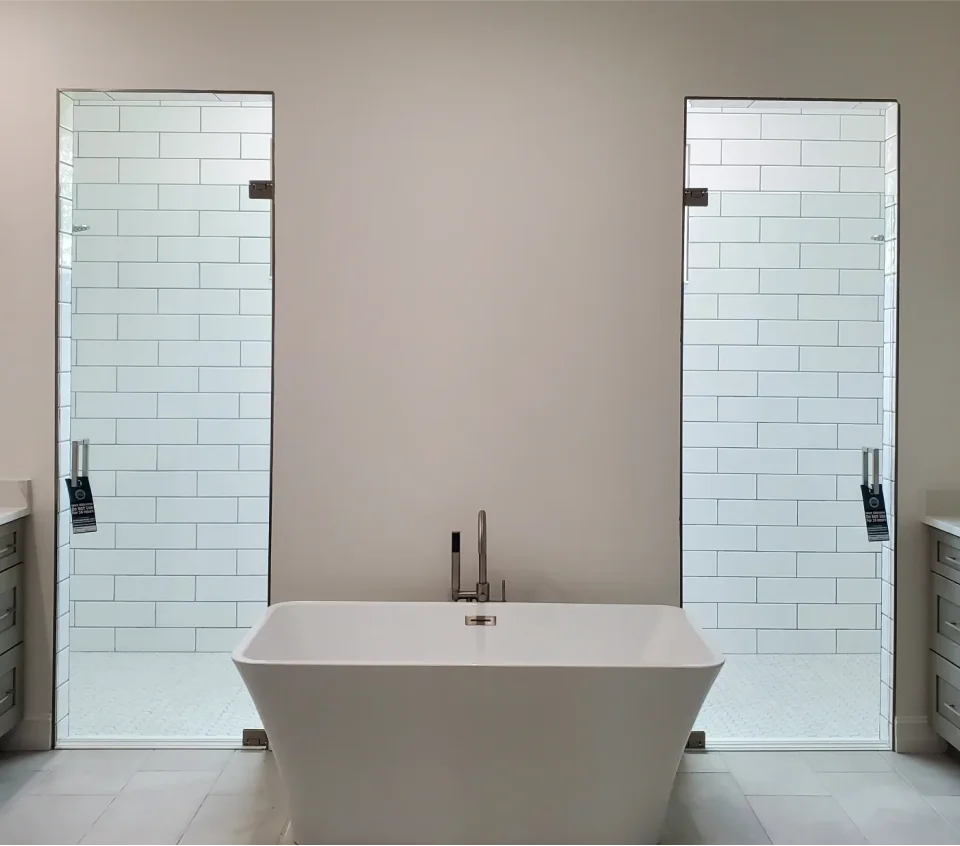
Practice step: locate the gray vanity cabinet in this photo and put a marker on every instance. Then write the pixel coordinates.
(11, 624)
(945, 636)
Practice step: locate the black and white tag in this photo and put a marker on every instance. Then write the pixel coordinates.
(875, 513)
(83, 516)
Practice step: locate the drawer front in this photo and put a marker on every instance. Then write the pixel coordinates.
(11, 608)
(8, 691)
(949, 557)
(948, 702)
(11, 545)
(11, 688)
(948, 620)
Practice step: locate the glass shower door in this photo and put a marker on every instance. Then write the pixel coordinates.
(783, 385)
(171, 336)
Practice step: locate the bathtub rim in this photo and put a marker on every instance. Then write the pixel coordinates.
(240, 658)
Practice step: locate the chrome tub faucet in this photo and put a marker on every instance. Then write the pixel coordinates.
(482, 591)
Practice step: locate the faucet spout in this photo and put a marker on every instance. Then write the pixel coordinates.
(483, 586)
(482, 592)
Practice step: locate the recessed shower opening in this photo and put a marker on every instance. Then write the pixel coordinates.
(789, 375)
(165, 300)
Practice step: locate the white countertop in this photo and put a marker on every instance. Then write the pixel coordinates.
(951, 525)
(9, 513)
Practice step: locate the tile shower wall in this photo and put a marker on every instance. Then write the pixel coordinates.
(64, 552)
(172, 332)
(782, 378)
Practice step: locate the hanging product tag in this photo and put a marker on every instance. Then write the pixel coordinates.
(875, 513)
(83, 517)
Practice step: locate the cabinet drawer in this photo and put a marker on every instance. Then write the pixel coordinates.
(11, 688)
(11, 608)
(948, 702)
(948, 619)
(11, 545)
(949, 556)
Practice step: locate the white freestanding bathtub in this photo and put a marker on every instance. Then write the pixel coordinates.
(400, 723)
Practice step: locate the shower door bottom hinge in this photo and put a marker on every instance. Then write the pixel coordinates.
(697, 740)
(256, 738)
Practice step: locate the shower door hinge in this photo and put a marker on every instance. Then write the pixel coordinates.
(697, 740)
(255, 737)
(696, 196)
(261, 189)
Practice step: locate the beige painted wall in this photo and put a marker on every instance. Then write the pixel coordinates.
(478, 269)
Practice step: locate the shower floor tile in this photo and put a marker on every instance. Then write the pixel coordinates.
(170, 695)
(794, 697)
(163, 695)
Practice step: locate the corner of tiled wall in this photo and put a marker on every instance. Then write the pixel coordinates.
(890, 301)
(64, 358)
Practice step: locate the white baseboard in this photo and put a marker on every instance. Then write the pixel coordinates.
(32, 734)
(915, 736)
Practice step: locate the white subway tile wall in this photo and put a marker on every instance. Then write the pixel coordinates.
(171, 322)
(783, 378)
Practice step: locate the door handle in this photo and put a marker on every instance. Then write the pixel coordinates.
(79, 460)
(865, 469)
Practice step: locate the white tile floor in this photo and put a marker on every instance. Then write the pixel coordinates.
(141, 796)
(213, 796)
(794, 697)
(815, 797)
(130, 695)
(769, 697)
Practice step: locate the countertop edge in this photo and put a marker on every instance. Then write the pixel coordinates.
(10, 513)
(950, 525)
